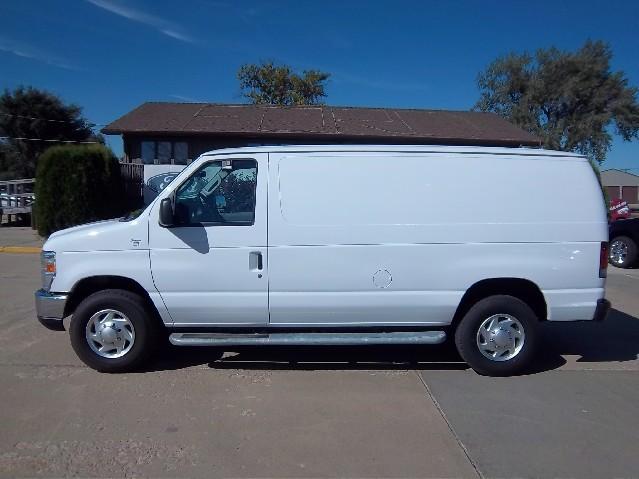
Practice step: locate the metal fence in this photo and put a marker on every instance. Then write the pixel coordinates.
(17, 198)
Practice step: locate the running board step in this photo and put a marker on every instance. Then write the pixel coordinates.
(306, 339)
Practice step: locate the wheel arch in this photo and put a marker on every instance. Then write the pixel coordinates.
(92, 284)
(520, 288)
(627, 230)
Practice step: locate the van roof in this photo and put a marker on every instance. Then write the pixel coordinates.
(394, 148)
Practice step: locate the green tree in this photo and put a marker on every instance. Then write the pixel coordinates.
(77, 184)
(572, 100)
(272, 84)
(27, 112)
(9, 162)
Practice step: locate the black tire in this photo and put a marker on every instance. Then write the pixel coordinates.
(134, 307)
(631, 255)
(466, 335)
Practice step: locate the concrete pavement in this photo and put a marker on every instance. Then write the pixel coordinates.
(20, 236)
(192, 416)
(563, 423)
(314, 412)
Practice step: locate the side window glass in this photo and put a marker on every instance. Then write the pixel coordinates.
(218, 195)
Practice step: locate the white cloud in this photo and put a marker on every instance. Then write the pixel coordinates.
(27, 51)
(160, 24)
(177, 35)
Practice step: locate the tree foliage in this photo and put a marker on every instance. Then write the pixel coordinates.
(9, 162)
(239, 191)
(272, 84)
(77, 184)
(36, 114)
(572, 100)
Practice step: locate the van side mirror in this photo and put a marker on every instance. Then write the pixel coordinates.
(166, 213)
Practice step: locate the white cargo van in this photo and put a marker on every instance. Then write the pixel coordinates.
(339, 245)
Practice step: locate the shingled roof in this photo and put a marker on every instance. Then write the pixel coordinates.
(326, 122)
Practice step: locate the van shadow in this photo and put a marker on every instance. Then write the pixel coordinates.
(614, 340)
(310, 358)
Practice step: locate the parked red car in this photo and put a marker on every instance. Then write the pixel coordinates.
(619, 209)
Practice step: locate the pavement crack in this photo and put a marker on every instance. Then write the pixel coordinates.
(450, 426)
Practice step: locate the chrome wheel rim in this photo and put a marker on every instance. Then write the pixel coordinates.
(500, 337)
(110, 334)
(618, 252)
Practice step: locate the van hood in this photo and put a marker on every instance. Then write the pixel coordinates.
(79, 228)
(112, 235)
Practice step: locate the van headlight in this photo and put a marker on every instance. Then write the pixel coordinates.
(47, 260)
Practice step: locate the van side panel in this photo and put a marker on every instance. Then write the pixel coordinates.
(438, 198)
(392, 238)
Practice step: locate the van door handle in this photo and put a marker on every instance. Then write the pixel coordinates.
(255, 261)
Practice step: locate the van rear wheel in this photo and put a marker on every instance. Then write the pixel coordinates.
(498, 336)
(111, 331)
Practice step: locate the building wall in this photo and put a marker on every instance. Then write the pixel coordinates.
(198, 144)
(133, 145)
(630, 194)
(621, 184)
(201, 144)
(619, 178)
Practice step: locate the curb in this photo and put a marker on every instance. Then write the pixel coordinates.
(20, 249)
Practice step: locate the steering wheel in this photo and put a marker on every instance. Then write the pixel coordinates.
(210, 212)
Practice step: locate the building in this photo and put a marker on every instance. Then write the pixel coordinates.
(174, 133)
(621, 184)
(160, 138)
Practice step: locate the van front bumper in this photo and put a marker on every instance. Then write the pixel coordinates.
(603, 307)
(50, 309)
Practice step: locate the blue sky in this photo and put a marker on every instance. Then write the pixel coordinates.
(111, 55)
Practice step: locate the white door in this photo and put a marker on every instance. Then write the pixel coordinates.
(210, 267)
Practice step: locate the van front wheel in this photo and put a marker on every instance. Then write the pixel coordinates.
(112, 331)
(498, 336)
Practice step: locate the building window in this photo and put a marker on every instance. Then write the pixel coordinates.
(180, 152)
(164, 152)
(148, 152)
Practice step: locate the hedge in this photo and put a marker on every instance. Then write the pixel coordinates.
(77, 184)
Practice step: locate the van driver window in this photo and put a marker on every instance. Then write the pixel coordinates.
(221, 196)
